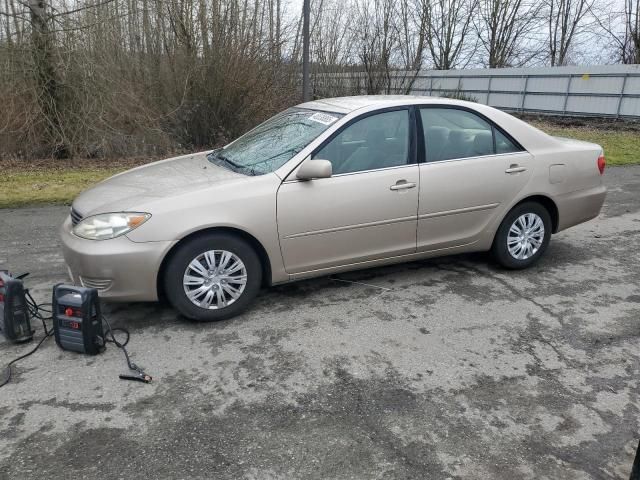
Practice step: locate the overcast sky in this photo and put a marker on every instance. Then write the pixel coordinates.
(592, 46)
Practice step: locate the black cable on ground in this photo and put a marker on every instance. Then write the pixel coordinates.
(34, 310)
(8, 367)
(140, 375)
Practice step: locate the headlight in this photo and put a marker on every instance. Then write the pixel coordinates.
(109, 225)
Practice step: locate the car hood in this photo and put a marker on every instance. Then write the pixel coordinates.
(174, 176)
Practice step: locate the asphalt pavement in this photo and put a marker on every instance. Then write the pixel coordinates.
(446, 368)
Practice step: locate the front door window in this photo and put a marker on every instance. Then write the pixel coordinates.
(377, 141)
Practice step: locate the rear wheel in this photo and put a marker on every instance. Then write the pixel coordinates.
(213, 277)
(523, 236)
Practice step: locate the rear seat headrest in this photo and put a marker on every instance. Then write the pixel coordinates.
(483, 143)
(437, 135)
(458, 136)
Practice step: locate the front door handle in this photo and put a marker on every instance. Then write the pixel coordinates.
(402, 185)
(515, 168)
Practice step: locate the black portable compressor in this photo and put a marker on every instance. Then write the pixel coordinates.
(77, 319)
(15, 320)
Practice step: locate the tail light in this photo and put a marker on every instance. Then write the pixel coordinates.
(601, 163)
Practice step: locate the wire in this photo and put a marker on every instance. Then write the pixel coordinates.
(113, 340)
(8, 367)
(141, 375)
(34, 310)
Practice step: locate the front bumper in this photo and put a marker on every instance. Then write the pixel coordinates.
(120, 269)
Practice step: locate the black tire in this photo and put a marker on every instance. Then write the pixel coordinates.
(500, 248)
(180, 260)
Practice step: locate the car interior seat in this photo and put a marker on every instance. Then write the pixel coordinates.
(369, 156)
(483, 144)
(437, 139)
(460, 144)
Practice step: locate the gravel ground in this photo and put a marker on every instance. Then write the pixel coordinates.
(447, 368)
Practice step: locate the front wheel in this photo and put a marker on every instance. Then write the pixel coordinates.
(213, 277)
(523, 236)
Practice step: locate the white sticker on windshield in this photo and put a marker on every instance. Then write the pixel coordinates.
(323, 118)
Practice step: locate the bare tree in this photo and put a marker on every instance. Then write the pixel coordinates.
(565, 20)
(446, 25)
(632, 14)
(630, 40)
(46, 75)
(376, 39)
(622, 27)
(125, 77)
(502, 27)
(331, 39)
(390, 40)
(131, 77)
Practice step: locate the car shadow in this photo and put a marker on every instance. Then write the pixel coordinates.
(362, 283)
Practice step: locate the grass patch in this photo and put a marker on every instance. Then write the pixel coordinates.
(621, 147)
(60, 186)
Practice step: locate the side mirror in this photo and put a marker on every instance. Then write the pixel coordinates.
(311, 169)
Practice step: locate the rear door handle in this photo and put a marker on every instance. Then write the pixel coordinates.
(515, 168)
(402, 185)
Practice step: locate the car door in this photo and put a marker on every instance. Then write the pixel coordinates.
(471, 169)
(367, 209)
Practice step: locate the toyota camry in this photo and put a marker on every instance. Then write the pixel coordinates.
(329, 186)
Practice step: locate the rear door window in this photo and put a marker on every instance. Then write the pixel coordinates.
(452, 133)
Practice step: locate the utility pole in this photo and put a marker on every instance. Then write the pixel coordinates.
(306, 81)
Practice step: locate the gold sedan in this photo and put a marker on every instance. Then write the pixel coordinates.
(329, 186)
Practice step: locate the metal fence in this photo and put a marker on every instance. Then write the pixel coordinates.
(610, 90)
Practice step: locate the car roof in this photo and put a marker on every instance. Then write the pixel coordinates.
(350, 104)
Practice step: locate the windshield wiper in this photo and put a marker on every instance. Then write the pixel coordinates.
(252, 167)
(226, 160)
(218, 156)
(295, 151)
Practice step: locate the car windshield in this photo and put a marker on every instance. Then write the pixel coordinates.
(273, 143)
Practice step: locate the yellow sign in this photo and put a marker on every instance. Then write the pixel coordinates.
(585, 76)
